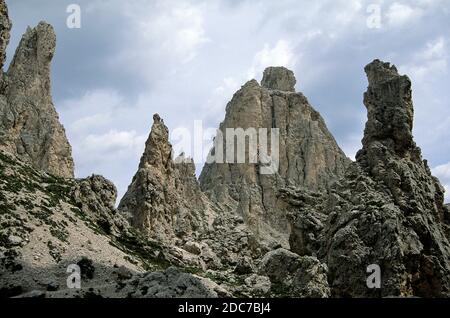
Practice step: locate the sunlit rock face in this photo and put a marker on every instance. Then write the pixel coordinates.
(29, 125)
(308, 156)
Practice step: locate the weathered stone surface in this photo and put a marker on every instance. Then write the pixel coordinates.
(96, 197)
(43, 231)
(295, 276)
(306, 225)
(170, 283)
(175, 284)
(29, 124)
(5, 28)
(388, 208)
(308, 155)
(230, 239)
(279, 78)
(259, 284)
(95, 193)
(244, 266)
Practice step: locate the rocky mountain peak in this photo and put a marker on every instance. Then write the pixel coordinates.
(158, 150)
(379, 71)
(5, 28)
(164, 199)
(30, 126)
(308, 154)
(279, 78)
(34, 55)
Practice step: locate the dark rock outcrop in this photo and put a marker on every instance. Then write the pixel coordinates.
(387, 210)
(295, 276)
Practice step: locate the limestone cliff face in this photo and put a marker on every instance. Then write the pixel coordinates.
(308, 154)
(387, 210)
(164, 199)
(30, 127)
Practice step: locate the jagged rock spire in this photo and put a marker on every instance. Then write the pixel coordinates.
(389, 150)
(158, 150)
(386, 211)
(5, 28)
(164, 199)
(29, 124)
(390, 111)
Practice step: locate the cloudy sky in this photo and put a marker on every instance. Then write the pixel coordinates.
(185, 59)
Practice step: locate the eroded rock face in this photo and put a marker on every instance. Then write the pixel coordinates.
(279, 78)
(5, 28)
(29, 123)
(164, 199)
(170, 283)
(296, 276)
(387, 210)
(389, 153)
(96, 197)
(308, 155)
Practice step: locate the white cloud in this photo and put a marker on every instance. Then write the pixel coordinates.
(171, 32)
(442, 171)
(400, 14)
(93, 110)
(110, 145)
(351, 145)
(178, 29)
(99, 132)
(281, 54)
(427, 63)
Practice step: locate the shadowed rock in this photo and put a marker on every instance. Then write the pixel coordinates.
(387, 210)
